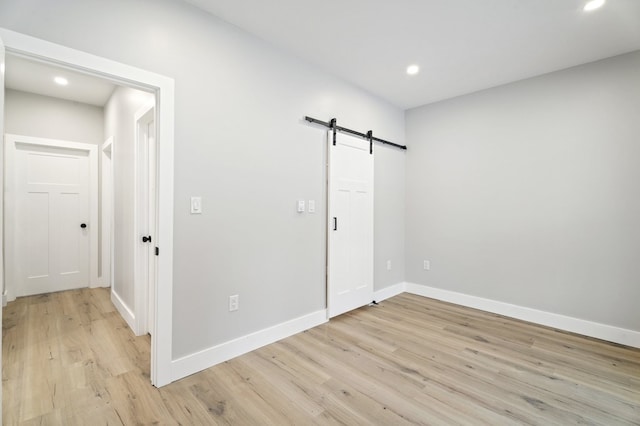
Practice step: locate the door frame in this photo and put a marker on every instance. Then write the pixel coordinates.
(2, 52)
(143, 292)
(106, 199)
(164, 90)
(10, 200)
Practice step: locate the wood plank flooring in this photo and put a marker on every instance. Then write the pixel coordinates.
(69, 359)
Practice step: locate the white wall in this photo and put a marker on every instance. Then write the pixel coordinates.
(119, 113)
(45, 117)
(529, 193)
(389, 212)
(241, 143)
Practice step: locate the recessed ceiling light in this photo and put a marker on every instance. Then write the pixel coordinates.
(61, 81)
(413, 69)
(593, 5)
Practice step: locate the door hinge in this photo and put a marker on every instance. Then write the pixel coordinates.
(157, 251)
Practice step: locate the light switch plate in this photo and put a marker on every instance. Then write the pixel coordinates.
(312, 206)
(300, 206)
(196, 205)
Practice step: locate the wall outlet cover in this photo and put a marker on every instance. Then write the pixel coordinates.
(234, 303)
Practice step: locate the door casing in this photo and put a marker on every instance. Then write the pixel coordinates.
(106, 197)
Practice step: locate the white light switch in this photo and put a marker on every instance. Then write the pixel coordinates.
(196, 205)
(300, 206)
(312, 206)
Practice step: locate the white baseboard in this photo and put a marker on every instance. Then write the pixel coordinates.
(206, 358)
(209, 357)
(561, 322)
(125, 312)
(388, 292)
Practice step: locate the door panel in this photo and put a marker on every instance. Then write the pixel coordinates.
(350, 241)
(72, 237)
(37, 234)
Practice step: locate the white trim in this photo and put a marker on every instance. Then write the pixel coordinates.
(561, 322)
(163, 87)
(389, 292)
(2, 289)
(11, 140)
(106, 196)
(122, 307)
(206, 358)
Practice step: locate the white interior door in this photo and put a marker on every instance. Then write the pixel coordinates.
(350, 239)
(146, 211)
(49, 216)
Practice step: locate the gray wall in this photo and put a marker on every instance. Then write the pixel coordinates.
(119, 114)
(28, 114)
(242, 145)
(529, 193)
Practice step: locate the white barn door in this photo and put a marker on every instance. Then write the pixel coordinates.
(49, 217)
(350, 239)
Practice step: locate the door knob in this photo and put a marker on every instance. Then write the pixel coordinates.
(83, 225)
(146, 239)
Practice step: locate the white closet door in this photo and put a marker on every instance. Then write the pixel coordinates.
(350, 241)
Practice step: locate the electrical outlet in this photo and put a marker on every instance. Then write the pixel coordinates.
(427, 265)
(234, 303)
(388, 265)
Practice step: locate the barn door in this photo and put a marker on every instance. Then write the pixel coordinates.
(350, 228)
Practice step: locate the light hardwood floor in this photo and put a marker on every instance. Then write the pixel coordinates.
(69, 359)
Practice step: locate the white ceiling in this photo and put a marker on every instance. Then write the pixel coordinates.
(461, 45)
(36, 77)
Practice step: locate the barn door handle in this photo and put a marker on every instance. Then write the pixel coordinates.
(335, 223)
(83, 225)
(146, 239)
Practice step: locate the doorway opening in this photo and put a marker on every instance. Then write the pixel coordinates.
(161, 90)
